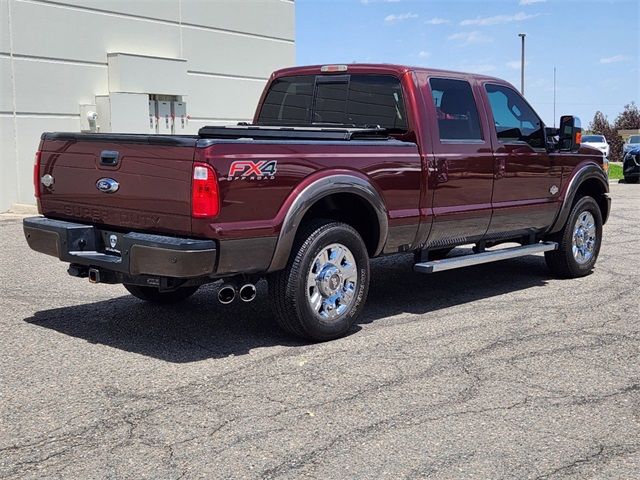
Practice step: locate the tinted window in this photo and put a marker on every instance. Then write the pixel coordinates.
(288, 101)
(330, 102)
(634, 139)
(376, 100)
(514, 119)
(456, 109)
(349, 100)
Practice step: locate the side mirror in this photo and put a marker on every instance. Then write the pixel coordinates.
(570, 133)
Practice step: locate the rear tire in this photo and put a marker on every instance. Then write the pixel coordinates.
(153, 295)
(631, 179)
(322, 290)
(578, 242)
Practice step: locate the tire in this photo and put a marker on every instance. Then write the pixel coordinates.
(153, 295)
(563, 262)
(303, 302)
(631, 179)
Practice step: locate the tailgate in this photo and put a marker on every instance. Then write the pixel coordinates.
(149, 179)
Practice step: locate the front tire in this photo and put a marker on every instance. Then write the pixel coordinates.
(154, 295)
(578, 242)
(631, 179)
(322, 290)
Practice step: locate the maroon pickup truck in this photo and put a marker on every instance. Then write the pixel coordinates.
(342, 163)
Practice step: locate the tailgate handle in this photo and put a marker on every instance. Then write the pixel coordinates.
(109, 158)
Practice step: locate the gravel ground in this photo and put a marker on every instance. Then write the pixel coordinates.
(495, 371)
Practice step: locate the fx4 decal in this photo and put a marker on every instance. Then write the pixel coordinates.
(249, 170)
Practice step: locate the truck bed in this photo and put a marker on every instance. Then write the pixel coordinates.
(154, 173)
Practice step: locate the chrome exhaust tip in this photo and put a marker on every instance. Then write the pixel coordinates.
(248, 292)
(226, 294)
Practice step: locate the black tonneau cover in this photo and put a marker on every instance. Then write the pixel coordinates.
(237, 132)
(293, 133)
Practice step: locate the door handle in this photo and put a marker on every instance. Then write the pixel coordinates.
(502, 167)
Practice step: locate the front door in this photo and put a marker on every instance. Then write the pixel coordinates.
(527, 180)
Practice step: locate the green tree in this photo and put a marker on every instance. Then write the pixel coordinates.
(629, 118)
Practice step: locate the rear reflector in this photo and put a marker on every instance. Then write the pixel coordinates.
(205, 201)
(36, 174)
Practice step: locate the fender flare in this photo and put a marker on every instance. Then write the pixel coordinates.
(586, 172)
(340, 183)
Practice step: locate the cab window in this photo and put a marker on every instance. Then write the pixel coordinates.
(456, 110)
(341, 100)
(514, 119)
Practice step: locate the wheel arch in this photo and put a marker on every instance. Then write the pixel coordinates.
(320, 198)
(590, 180)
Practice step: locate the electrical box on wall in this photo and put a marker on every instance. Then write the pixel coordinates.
(180, 118)
(165, 120)
(136, 113)
(153, 117)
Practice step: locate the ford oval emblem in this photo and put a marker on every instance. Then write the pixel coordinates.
(107, 185)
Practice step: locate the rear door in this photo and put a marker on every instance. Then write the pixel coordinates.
(528, 180)
(150, 181)
(461, 168)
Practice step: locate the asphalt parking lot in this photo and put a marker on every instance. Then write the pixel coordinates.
(495, 371)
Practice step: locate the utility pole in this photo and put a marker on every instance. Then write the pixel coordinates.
(554, 96)
(522, 35)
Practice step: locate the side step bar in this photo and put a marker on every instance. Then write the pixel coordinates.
(484, 257)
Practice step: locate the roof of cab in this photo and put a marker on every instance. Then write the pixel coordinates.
(380, 68)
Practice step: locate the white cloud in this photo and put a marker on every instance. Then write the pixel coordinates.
(614, 59)
(437, 21)
(498, 19)
(424, 54)
(393, 18)
(468, 38)
(531, 2)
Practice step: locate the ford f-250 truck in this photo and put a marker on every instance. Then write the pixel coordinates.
(340, 164)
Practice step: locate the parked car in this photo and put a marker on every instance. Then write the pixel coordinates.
(597, 141)
(632, 142)
(631, 165)
(342, 163)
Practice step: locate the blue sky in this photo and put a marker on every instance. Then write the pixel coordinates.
(595, 45)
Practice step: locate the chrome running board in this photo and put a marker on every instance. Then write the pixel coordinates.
(484, 257)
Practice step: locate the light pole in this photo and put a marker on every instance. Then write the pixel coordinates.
(522, 35)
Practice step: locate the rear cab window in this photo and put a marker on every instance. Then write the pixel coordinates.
(456, 110)
(358, 100)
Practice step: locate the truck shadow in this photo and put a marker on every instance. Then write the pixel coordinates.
(201, 328)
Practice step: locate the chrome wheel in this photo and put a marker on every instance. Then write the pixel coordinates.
(332, 281)
(584, 238)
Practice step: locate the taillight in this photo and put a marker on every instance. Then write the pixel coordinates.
(205, 201)
(36, 174)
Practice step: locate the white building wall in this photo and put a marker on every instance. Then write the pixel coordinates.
(53, 57)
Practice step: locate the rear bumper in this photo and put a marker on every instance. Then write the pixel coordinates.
(132, 253)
